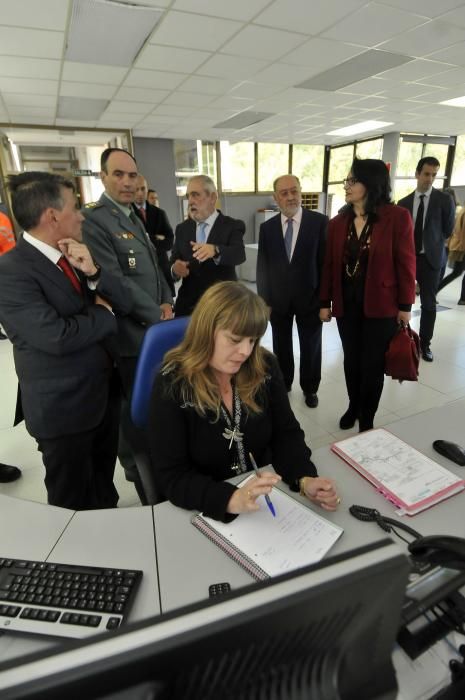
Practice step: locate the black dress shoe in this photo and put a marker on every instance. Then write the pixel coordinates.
(9, 473)
(461, 302)
(348, 420)
(311, 400)
(426, 354)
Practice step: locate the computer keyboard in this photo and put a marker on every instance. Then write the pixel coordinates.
(64, 600)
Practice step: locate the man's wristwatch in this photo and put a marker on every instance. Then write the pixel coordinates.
(96, 275)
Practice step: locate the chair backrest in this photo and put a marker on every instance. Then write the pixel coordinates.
(157, 341)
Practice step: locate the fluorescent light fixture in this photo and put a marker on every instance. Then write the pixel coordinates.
(358, 128)
(456, 102)
(108, 32)
(358, 68)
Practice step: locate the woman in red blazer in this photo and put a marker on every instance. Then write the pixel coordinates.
(368, 283)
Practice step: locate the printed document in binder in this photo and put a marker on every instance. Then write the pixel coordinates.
(405, 476)
(267, 546)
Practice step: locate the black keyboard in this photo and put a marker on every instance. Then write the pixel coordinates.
(64, 600)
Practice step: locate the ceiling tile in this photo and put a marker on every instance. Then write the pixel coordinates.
(384, 23)
(29, 85)
(369, 86)
(46, 14)
(207, 86)
(165, 110)
(320, 54)
(425, 39)
(236, 104)
(11, 99)
(283, 75)
(141, 94)
(92, 73)
(20, 67)
(262, 42)
(153, 79)
(452, 54)
(122, 106)
(62, 121)
(223, 66)
(68, 89)
(181, 60)
(187, 99)
(415, 70)
(312, 18)
(31, 42)
(194, 31)
(239, 9)
(428, 8)
(254, 90)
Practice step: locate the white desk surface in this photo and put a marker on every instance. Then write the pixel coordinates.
(116, 538)
(188, 562)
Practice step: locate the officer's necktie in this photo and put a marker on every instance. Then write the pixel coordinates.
(68, 270)
(143, 213)
(288, 238)
(419, 225)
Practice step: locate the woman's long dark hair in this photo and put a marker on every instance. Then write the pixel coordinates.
(374, 175)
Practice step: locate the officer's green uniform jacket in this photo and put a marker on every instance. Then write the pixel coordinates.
(123, 248)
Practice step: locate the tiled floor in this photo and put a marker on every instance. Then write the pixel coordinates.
(440, 382)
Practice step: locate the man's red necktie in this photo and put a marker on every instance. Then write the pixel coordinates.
(143, 213)
(68, 270)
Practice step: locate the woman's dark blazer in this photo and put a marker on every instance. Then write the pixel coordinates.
(390, 277)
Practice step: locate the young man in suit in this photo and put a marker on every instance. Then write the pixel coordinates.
(119, 242)
(207, 246)
(57, 307)
(157, 226)
(290, 258)
(433, 214)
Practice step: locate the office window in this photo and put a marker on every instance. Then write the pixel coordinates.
(336, 199)
(340, 160)
(307, 164)
(458, 169)
(439, 151)
(273, 161)
(206, 157)
(408, 157)
(369, 149)
(237, 166)
(402, 188)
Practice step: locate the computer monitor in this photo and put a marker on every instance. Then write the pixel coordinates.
(325, 632)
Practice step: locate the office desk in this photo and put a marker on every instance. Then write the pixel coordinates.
(188, 562)
(115, 538)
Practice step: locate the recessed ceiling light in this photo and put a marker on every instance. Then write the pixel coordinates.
(358, 128)
(456, 102)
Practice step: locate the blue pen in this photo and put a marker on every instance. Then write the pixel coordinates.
(267, 498)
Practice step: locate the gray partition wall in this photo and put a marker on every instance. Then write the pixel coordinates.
(155, 159)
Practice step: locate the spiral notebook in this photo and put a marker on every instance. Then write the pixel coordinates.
(266, 546)
(406, 477)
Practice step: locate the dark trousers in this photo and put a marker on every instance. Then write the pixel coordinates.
(364, 341)
(428, 281)
(459, 267)
(79, 468)
(309, 330)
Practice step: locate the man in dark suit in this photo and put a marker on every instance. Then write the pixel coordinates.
(433, 214)
(157, 226)
(290, 258)
(56, 305)
(119, 242)
(207, 246)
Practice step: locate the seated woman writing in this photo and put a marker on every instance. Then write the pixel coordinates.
(218, 397)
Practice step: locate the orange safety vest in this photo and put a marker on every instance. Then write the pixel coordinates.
(7, 239)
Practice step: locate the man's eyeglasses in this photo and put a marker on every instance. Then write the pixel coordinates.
(349, 182)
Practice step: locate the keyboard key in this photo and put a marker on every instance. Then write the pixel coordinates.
(113, 623)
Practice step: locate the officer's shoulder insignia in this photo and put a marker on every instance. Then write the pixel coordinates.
(90, 205)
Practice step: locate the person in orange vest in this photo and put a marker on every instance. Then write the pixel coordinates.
(7, 241)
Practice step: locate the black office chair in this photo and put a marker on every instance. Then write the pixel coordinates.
(157, 341)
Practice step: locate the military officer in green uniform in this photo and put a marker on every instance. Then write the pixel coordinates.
(120, 244)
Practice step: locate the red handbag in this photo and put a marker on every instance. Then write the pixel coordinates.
(403, 355)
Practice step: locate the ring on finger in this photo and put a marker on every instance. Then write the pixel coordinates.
(338, 500)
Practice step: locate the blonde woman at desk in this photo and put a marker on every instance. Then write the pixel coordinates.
(219, 397)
